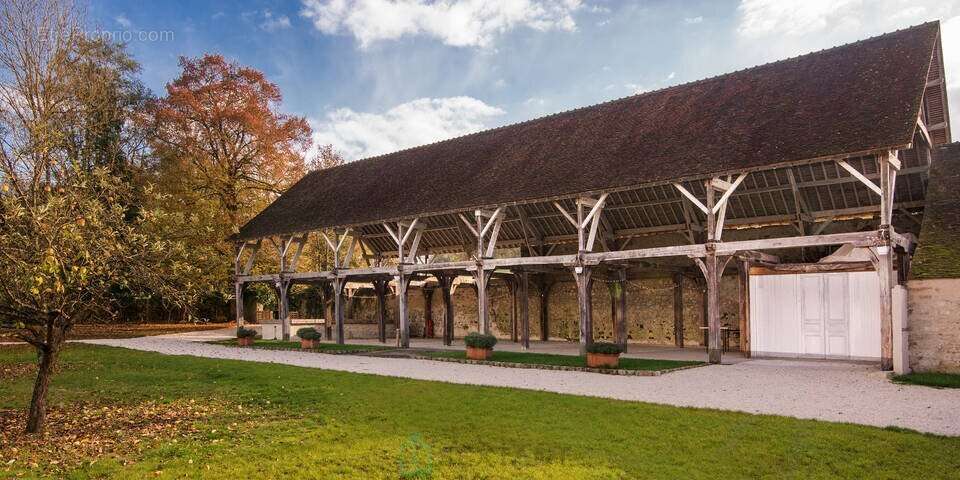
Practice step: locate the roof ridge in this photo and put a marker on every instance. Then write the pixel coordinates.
(639, 95)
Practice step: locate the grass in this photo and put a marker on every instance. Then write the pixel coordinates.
(566, 360)
(321, 347)
(930, 379)
(324, 424)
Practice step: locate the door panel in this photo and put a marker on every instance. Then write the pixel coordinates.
(836, 318)
(811, 313)
(818, 315)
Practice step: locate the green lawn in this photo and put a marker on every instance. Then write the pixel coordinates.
(321, 424)
(566, 360)
(322, 347)
(930, 379)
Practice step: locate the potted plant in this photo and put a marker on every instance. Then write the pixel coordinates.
(245, 336)
(479, 345)
(309, 337)
(603, 355)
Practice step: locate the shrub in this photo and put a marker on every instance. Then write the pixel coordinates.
(309, 333)
(604, 348)
(246, 332)
(480, 340)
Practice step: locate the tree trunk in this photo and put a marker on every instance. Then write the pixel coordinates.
(38, 404)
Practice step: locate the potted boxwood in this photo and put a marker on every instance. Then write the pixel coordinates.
(603, 355)
(245, 336)
(479, 345)
(309, 337)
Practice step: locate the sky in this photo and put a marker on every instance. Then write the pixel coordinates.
(376, 76)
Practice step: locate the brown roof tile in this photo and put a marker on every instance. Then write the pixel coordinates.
(853, 98)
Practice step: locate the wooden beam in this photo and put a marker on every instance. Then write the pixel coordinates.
(729, 191)
(691, 197)
(566, 215)
(859, 176)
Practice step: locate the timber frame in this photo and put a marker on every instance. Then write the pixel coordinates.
(686, 211)
(601, 227)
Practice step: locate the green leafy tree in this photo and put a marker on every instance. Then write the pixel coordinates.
(73, 229)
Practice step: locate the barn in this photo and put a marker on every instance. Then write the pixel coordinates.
(804, 182)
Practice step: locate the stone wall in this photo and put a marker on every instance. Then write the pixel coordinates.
(933, 307)
(650, 310)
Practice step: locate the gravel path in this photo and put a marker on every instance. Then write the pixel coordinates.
(831, 391)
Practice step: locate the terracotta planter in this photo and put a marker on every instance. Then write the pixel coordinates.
(308, 344)
(474, 353)
(245, 341)
(603, 360)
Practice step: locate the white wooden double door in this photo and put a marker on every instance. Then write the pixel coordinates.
(826, 315)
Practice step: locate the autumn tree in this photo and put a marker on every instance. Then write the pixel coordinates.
(71, 224)
(220, 126)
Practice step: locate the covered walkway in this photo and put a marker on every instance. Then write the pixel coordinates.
(771, 167)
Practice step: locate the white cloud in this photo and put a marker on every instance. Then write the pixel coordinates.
(671, 76)
(123, 21)
(272, 23)
(760, 18)
(693, 20)
(463, 23)
(791, 28)
(421, 121)
(636, 88)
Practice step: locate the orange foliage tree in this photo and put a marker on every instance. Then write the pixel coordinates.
(220, 124)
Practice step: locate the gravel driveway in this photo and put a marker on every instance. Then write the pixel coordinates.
(831, 391)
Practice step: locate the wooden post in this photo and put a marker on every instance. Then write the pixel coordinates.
(523, 282)
(583, 276)
(514, 327)
(618, 303)
(338, 306)
(743, 275)
(427, 312)
(482, 277)
(380, 289)
(704, 314)
(712, 275)
(403, 281)
(283, 290)
(238, 295)
(446, 282)
(678, 309)
(884, 254)
(544, 287)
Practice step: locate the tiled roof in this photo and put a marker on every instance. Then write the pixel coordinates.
(853, 98)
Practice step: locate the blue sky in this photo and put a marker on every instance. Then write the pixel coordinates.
(374, 76)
